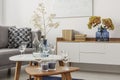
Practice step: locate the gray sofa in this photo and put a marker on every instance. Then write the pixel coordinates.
(5, 53)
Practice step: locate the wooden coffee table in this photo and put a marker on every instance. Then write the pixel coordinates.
(66, 74)
(27, 58)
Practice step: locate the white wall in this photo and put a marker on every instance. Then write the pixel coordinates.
(19, 12)
(1, 12)
(109, 8)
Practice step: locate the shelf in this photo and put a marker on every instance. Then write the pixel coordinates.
(112, 40)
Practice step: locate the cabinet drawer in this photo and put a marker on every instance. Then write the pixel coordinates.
(92, 48)
(92, 53)
(113, 53)
(71, 48)
(90, 57)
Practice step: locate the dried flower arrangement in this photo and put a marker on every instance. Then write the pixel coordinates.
(96, 21)
(43, 22)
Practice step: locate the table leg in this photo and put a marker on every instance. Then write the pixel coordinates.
(63, 76)
(17, 70)
(61, 63)
(68, 76)
(30, 64)
(37, 78)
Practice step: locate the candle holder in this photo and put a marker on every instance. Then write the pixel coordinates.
(44, 66)
(52, 65)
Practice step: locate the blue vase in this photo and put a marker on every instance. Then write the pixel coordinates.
(45, 42)
(102, 35)
(105, 35)
(99, 35)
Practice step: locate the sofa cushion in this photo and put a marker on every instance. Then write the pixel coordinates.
(18, 35)
(3, 36)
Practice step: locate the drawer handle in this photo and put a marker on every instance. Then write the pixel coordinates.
(93, 52)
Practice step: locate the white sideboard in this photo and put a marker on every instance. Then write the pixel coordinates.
(91, 52)
(72, 49)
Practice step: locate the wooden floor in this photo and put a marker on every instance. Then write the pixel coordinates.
(82, 75)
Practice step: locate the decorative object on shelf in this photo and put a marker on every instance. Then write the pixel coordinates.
(80, 37)
(105, 35)
(42, 21)
(102, 34)
(68, 34)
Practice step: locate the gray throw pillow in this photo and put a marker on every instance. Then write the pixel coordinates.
(18, 35)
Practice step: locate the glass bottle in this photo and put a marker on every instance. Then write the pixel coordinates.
(41, 45)
(36, 43)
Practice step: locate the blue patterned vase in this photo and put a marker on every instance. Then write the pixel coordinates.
(99, 35)
(105, 34)
(102, 35)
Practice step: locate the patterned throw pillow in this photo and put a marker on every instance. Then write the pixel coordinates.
(18, 35)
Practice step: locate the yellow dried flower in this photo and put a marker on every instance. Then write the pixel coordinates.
(95, 20)
(108, 23)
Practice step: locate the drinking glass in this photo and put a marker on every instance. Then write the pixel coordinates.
(52, 48)
(44, 66)
(38, 58)
(52, 65)
(65, 59)
(22, 47)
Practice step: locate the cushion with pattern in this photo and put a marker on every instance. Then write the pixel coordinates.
(18, 35)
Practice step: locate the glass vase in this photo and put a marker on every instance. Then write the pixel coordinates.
(45, 42)
(35, 43)
(99, 36)
(102, 35)
(44, 49)
(105, 35)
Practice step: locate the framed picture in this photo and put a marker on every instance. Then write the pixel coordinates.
(72, 8)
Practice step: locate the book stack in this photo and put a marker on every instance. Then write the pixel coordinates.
(67, 34)
(80, 37)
